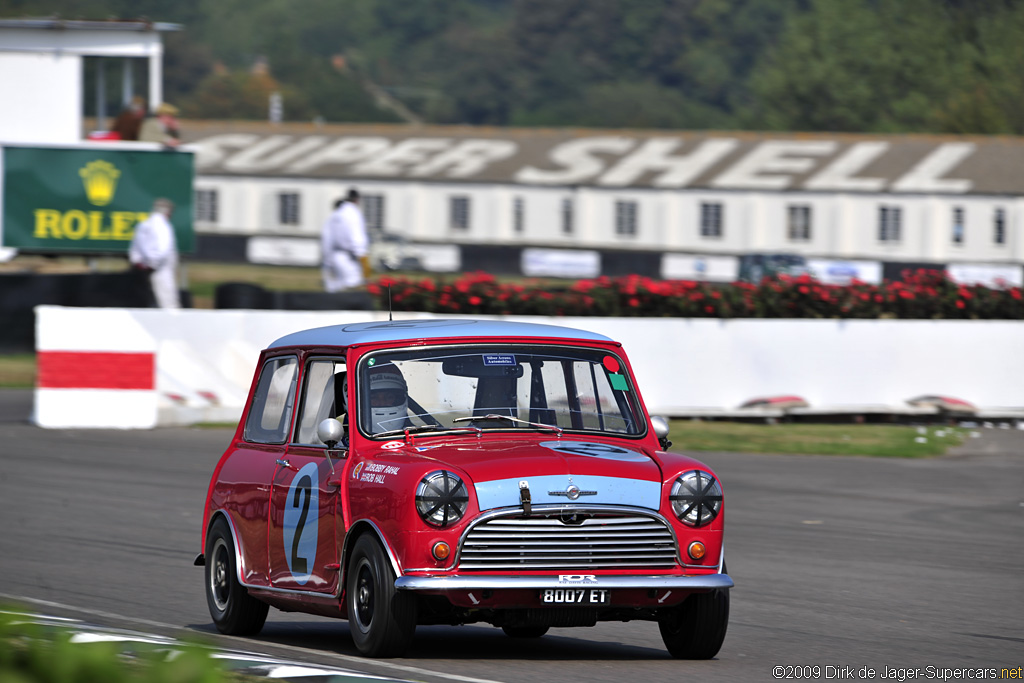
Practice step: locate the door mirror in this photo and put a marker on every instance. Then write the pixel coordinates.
(660, 426)
(331, 431)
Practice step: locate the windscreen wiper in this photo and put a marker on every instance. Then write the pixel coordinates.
(410, 430)
(416, 429)
(509, 418)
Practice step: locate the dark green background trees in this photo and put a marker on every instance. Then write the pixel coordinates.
(944, 66)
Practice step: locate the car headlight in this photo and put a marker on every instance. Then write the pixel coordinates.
(696, 498)
(441, 498)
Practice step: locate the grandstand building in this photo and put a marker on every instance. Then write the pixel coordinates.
(578, 203)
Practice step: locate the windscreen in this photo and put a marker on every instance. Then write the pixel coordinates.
(497, 387)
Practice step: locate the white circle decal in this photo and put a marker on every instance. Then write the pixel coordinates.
(301, 521)
(596, 450)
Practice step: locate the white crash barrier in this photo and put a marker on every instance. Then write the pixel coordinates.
(203, 362)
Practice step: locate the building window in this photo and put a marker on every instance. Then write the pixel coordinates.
(999, 227)
(958, 225)
(567, 217)
(710, 219)
(288, 208)
(799, 223)
(889, 219)
(625, 218)
(518, 211)
(206, 205)
(373, 211)
(458, 212)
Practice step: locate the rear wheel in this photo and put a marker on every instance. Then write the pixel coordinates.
(382, 619)
(234, 611)
(696, 628)
(524, 631)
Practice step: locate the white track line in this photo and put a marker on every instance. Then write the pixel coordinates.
(357, 661)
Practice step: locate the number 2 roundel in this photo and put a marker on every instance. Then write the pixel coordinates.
(301, 520)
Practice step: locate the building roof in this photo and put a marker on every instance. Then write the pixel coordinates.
(712, 160)
(57, 24)
(402, 330)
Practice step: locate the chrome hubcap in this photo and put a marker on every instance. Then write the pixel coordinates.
(364, 597)
(220, 587)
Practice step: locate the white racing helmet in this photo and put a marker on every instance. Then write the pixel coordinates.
(389, 398)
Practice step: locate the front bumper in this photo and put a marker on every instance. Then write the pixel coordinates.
(464, 583)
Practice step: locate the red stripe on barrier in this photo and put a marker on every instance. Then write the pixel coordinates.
(95, 370)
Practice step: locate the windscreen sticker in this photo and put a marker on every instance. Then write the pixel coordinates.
(301, 522)
(611, 363)
(618, 382)
(596, 450)
(506, 359)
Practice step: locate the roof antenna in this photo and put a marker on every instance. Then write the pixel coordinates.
(390, 319)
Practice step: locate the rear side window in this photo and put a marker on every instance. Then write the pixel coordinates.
(271, 409)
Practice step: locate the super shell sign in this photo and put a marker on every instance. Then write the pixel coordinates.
(89, 199)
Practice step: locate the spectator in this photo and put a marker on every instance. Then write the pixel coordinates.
(345, 245)
(129, 121)
(154, 250)
(163, 127)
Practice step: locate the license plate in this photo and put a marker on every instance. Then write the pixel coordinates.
(581, 597)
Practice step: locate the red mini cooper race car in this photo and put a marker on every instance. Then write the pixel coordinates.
(460, 471)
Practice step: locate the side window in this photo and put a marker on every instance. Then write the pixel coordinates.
(598, 406)
(271, 409)
(322, 397)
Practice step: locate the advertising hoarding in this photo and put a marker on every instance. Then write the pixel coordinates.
(89, 198)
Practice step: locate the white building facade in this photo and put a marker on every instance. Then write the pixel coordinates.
(578, 203)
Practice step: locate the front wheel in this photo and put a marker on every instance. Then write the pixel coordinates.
(696, 628)
(382, 619)
(234, 611)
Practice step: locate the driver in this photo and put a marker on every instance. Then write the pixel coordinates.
(389, 399)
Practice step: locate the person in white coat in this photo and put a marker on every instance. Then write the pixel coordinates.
(154, 249)
(345, 245)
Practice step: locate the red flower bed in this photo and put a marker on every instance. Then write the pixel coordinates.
(923, 294)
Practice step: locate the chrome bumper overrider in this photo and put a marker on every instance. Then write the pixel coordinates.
(457, 583)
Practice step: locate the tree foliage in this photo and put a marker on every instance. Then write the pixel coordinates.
(945, 66)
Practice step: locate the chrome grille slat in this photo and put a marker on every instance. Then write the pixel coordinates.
(646, 540)
(577, 529)
(545, 542)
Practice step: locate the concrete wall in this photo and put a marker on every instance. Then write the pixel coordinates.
(203, 362)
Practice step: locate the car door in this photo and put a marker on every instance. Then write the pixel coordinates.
(306, 523)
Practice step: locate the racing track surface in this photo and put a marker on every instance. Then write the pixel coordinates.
(837, 561)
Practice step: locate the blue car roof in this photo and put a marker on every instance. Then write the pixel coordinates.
(409, 330)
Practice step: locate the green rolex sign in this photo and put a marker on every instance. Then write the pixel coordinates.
(89, 199)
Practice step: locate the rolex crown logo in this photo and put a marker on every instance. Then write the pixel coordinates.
(100, 180)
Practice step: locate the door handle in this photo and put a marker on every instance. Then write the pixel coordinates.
(287, 465)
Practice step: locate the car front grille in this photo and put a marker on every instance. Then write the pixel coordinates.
(590, 542)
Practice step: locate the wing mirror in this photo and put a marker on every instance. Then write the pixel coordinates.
(660, 426)
(331, 431)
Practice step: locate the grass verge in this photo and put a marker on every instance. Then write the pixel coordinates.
(34, 653)
(18, 371)
(887, 441)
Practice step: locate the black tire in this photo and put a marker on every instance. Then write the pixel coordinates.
(696, 628)
(524, 631)
(234, 611)
(382, 619)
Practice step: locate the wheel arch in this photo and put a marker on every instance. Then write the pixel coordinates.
(235, 540)
(358, 529)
